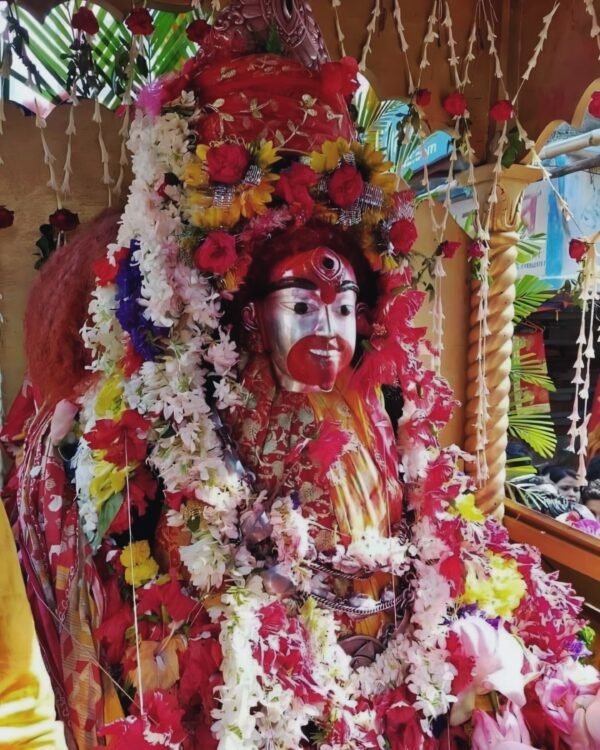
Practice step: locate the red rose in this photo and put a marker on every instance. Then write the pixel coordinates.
(345, 186)
(294, 186)
(227, 163)
(475, 250)
(197, 30)
(7, 217)
(85, 20)
(139, 21)
(455, 104)
(594, 105)
(64, 220)
(403, 235)
(448, 249)
(216, 254)
(422, 97)
(502, 110)
(578, 250)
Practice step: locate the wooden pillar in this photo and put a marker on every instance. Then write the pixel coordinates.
(498, 342)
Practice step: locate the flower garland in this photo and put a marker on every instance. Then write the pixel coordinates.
(214, 656)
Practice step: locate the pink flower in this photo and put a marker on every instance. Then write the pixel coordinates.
(507, 731)
(475, 250)
(570, 697)
(448, 248)
(498, 665)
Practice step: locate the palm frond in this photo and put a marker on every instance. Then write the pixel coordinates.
(534, 427)
(527, 368)
(530, 293)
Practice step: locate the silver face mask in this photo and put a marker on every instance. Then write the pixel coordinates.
(308, 322)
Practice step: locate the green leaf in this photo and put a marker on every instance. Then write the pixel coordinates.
(106, 516)
(534, 427)
(527, 368)
(530, 293)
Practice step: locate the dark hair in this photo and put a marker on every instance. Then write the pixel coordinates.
(591, 492)
(593, 469)
(556, 473)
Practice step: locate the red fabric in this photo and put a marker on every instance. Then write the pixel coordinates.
(56, 357)
(265, 94)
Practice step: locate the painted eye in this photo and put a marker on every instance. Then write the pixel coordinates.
(300, 308)
(345, 310)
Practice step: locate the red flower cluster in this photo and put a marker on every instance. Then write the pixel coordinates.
(227, 163)
(106, 269)
(345, 186)
(455, 104)
(294, 187)
(139, 21)
(197, 30)
(403, 235)
(85, 20)
(340, 77)
(7, 217)
(475, 250)
(594, 105)
(502, 110)
(447, 249)
(123, 441)
(64, 220)
(288, 661)
(578, 250)
(422, 97)
(216, 254)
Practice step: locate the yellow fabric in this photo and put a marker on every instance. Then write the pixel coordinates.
(27, 715)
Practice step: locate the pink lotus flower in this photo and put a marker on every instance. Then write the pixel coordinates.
(498, 659)
(507, 731)
(571, 699)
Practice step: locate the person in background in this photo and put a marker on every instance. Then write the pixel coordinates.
(27, 715)
(590, 497)
(565, 481)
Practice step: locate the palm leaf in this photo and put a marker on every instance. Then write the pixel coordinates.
(529, 424)
(530, 293)
(527, 368)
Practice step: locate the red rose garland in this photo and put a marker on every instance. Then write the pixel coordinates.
(227, 163)
(502, 111)
(197, 30)
(139, 21)
(85, 20)
(455, 104)
(578, 250)
(594, 105)
(64, 220)
(345, 186)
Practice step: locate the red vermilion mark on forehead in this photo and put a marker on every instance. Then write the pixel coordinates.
(320, 266)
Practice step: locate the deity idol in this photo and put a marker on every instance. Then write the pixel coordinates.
(307, 296)
(209, 495)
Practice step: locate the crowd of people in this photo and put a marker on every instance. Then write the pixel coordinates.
(555, 490)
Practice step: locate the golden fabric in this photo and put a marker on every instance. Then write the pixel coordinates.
(27, 715)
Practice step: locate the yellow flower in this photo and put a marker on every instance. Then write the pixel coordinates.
(109, 402)
(139, 566)
(201, 151)
(464, 506)
(108, 480)
(253, 200)
(267, 155)
(210, 218)
(497, 591)
(195, 175)
(328, 157)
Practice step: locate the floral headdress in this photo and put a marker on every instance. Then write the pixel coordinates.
(242, 145)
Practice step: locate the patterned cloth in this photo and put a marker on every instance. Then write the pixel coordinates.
(62, 584)
(355, 493)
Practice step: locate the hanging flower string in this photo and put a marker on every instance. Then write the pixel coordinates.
(584, 252)
(336, 5)
(595, 29)
(371, 28)
(403, 44)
